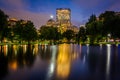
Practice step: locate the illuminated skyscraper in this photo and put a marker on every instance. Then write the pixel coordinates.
(63, 18)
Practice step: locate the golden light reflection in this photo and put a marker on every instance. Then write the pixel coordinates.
(0, 48)
(13, 65)
(63, 61)
(15, 49)
(5, 49)
(24, 48)
(35, 50)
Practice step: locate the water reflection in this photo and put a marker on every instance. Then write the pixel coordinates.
(60, 62)
(45, 52)
(3, 65)
(35, 49)
(19, 56)
(108, 61)
(87, 48)
(63, 61)
(5, 49)
(24, 48)
(52, 65)
(14, 48)
(93, 57)
(13, 65)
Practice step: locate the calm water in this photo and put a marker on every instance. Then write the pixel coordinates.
(60, 62)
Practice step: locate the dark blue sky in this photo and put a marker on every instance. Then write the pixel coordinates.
(39, 11)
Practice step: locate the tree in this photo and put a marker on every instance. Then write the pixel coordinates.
(3, 25)
(18, 30)
(11, 35)
(29, 32)
(107, 18)
(110, 23)
(82, 35)
(25, 30)
(115, 33)
(92, 18)
(49, 33)
(69, 34)
(91, 28)
(94, 29)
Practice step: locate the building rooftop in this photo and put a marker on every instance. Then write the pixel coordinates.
(63, 9)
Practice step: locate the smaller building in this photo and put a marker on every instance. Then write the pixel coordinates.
(75, 29)
(50, 23)
(12, 22)
(117, 13)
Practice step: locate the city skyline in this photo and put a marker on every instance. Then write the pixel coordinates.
(39, 11)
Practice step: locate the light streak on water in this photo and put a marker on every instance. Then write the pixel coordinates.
(108, 61)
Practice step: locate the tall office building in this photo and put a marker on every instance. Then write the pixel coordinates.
(63, 18)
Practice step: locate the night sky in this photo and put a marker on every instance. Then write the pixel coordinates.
(39, 11)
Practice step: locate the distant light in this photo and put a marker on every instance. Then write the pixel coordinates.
(51, 16)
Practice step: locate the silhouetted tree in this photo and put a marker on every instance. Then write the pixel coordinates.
(18, 30)
(29, 32)
(49, 33)
(110, 23)
(3, 25)
(94, 29)
(81, 34)
(69, 34)
(25, 31)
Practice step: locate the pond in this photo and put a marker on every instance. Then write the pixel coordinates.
(60, 62)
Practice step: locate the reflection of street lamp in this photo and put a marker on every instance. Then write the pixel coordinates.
(108, 61)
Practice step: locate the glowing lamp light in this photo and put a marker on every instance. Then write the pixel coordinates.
(51, 16)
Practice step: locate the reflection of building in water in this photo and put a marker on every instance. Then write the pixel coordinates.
(63, 61)
(61, 65)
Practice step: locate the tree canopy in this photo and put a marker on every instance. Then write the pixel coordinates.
(3, 25)
(29, 32)
(25, 30)
(49, 33)
(69, 34)
(82, 34)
